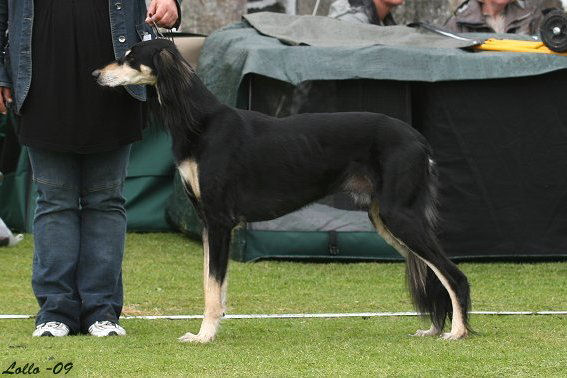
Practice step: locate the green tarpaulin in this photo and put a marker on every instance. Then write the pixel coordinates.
(237, 50)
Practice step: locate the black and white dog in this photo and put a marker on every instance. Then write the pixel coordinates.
(244, 166)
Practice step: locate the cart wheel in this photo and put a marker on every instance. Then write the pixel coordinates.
(553, 30)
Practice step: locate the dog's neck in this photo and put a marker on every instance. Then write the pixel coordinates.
(185, 104)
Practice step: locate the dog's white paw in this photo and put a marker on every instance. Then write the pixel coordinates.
(198, 338)
(432, 331)
(454, 335)
(427, 332)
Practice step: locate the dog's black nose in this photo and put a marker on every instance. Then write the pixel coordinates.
(96, 73)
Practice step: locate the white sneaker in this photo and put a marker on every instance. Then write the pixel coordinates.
(51, 329)
(106, 328)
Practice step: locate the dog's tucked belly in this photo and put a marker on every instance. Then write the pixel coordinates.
(263, 205)
(265, 211)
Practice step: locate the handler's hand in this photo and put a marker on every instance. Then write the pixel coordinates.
(5, 99)
(163, 13)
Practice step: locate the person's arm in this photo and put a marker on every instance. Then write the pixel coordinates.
(5, 82)
(165, 13)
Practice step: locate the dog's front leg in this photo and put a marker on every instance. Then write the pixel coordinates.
(216, 241)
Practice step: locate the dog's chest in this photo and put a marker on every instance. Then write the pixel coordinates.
(189, 171)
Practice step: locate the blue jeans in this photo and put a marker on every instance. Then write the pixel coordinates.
(79, 232)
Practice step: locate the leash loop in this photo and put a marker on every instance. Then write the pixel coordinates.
(159, 34)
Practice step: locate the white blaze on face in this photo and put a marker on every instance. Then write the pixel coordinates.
(116, 74)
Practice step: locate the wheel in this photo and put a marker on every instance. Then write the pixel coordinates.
(553, 30)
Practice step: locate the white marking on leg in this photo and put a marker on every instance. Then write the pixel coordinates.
(215, 295)
(458, 328)
(385, 233)
(224, 289)
(205, 258)
(189, 171)
(419, 278)
(214, 311)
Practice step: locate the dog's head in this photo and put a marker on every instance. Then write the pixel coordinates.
(175, 93)
(140, 65)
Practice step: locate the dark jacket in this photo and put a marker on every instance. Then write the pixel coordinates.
(128, 27)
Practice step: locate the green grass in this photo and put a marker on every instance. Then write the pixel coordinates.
(163, 274)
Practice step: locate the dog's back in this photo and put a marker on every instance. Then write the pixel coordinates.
(299, 159)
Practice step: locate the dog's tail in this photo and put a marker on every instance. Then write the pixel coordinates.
(408, 210)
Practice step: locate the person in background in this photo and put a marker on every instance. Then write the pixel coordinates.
(78, 137)
(499, 16)
(377, 12)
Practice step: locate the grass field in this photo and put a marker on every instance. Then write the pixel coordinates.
(162, 276)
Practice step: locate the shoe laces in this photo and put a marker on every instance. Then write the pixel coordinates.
(55, 324)
(105, 323)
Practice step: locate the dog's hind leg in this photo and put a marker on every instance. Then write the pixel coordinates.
(216, 241)
(402, 249)
(434, 291)
(403, 211)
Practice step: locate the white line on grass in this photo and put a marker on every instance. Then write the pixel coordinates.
(323, 315)
(16, 316)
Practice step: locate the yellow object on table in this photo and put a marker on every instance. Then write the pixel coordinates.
(513, 45)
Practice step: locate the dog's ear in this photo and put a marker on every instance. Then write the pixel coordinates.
(169, 75)
(173, 83)
(163, 61)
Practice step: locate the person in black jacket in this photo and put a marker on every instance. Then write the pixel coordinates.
(78, 136)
